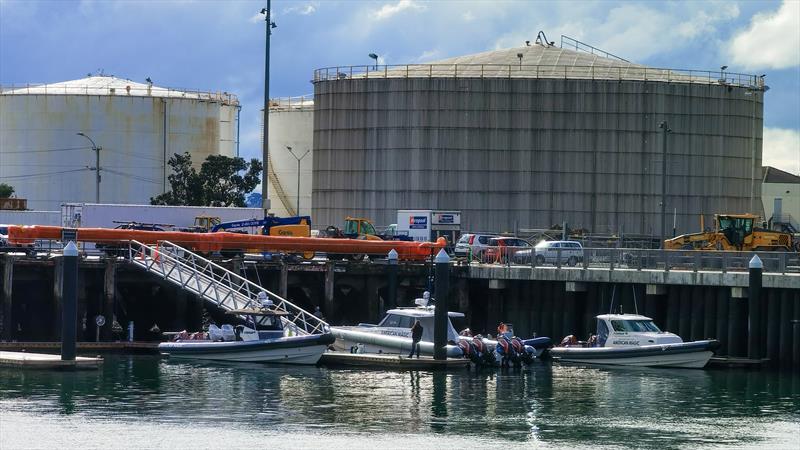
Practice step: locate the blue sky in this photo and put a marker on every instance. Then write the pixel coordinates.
(219, 45)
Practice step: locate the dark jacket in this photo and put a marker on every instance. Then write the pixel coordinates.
(416, 332)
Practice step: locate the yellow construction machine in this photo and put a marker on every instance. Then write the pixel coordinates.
(733, 232)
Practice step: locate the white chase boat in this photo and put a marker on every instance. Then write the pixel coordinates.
(634, 340)
(393, 334)
(270, 339)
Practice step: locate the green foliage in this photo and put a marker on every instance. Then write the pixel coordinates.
(222, 181)
(6, 190)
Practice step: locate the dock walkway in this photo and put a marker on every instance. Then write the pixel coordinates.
(394, 362)
(46, 361)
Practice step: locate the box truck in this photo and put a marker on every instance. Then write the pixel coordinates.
(429, 224)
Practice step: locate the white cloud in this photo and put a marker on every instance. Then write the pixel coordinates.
(427, 55)
(389, 10)
(303, 10)
(772, 41)
(781, 149)
(468, 16)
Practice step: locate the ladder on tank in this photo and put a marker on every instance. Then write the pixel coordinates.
(215, 284)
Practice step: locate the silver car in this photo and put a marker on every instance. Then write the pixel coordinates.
(547, 252)
(473, 243)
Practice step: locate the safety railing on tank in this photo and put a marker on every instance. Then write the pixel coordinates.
(635, 259)
(304, 102)
(226, 289)
(132, 91)
(632, 72)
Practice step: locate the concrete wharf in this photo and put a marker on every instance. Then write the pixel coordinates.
(693, 296)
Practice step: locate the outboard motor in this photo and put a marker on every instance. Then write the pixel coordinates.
(469, 352)
(524, 353)
(485, 355)
(505, 349)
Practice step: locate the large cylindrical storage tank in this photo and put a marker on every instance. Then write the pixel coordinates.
(291, 125)
(137, 127)
(534, 136)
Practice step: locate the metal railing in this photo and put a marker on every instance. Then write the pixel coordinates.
(212, 282)
(637, 259)
(303, 102)
(616, 73)
(134, 90)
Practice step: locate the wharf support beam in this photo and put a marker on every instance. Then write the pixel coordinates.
(8, 281)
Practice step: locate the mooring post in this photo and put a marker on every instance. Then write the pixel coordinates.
(69, 305)
(754, 309)
(391, 296)
(442, 262)
(58, 295)
(8, 281)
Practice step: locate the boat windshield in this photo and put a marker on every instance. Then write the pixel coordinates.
(397, 321)
(635, 326)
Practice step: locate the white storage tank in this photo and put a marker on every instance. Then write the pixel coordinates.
(291, 124)
(138, 126)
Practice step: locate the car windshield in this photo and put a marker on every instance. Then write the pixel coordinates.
(635, 326)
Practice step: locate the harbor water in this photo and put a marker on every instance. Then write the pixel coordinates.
(149, 402)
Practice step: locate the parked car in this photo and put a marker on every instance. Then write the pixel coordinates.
(546, 252)
(503, 249)
(474, 243)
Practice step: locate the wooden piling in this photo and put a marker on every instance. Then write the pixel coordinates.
(685, 315)
(329, 311)
(673, 309)
(786, 326)
(697, 311)
(283, 282)
(709, 313)
(723, 301)
(773, 324)
(737, 327)
(109, 283)
(8, 283)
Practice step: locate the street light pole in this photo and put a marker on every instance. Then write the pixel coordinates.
(96, 150)
(664, 126)
(298, 175)
(265, 145)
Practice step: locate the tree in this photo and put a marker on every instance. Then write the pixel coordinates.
(6, 190)
(222, 181)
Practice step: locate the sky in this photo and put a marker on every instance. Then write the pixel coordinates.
(219, 45)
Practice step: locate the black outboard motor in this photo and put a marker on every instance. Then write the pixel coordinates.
(485, 354)
(524, 353)
(508, 354)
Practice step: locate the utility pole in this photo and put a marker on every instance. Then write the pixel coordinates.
(298, 175)
(664, 126)
(96, 150)
(265, 145)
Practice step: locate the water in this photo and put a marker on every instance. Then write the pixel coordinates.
(148, 402)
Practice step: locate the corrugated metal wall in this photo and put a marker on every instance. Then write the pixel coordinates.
(534, 152)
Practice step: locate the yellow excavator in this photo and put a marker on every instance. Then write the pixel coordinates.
(734, 232)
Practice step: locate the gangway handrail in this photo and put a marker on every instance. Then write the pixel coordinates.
(299, 320)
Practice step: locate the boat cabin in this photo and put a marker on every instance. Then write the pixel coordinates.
(400, 321)
(262, 323)
(630, 330)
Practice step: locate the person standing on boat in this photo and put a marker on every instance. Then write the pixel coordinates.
(416, 336)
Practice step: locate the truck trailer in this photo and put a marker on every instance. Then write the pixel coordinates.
(426, 225)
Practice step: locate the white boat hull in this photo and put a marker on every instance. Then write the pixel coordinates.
(348, 338)
(286, 350)
(693, 355)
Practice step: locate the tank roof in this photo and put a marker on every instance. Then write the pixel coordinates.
(111, 85)
(538, 55)
(539, 61)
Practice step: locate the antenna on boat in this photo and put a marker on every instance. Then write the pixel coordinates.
(611, 306)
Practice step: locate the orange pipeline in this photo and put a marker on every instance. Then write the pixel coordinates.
(212, 242)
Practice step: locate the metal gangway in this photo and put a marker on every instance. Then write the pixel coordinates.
(217, 285)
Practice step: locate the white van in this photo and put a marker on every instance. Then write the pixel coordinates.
(547, 252)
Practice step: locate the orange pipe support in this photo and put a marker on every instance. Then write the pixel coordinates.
(211, 242)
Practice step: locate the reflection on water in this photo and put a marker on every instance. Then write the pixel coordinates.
(560, 406)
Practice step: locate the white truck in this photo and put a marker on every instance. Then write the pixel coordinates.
(105, 215)
(428, 224)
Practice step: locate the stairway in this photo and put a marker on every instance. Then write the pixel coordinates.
(215, 284)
